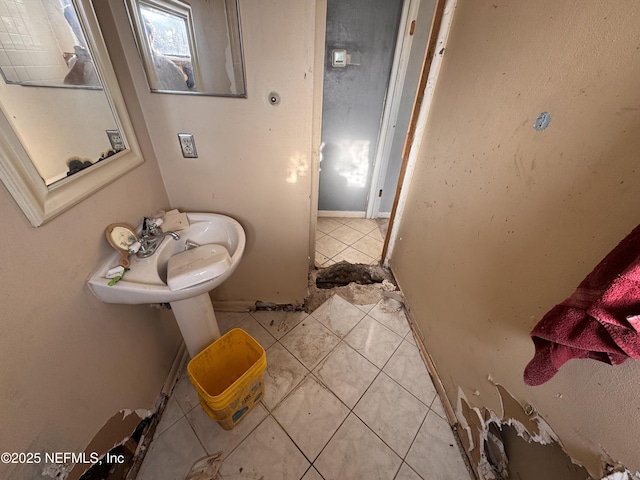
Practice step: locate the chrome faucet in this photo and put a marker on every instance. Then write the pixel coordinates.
(151, 238)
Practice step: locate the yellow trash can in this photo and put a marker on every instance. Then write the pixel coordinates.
(229, 377)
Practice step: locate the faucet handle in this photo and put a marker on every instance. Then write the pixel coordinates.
(145, 227)
(150, 226)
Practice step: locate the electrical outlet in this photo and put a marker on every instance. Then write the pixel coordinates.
(116, 140)
(187, 145)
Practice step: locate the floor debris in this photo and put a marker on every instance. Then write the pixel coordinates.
(206, 468)
(344, 273)
(357, 283)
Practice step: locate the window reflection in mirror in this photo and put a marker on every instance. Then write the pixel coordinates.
(169, 43)
(42, 43)
(190, 48)
(43, 128)
(66, 129)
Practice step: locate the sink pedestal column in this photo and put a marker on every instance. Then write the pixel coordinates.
(197, 322)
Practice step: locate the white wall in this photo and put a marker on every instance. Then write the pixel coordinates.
(69, 362)
(503, 222)
(254, 158)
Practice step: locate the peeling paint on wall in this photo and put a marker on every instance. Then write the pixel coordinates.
(480, 435)
(480, 432)
(626, 475)
(116, 431)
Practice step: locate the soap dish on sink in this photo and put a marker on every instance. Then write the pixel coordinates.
(197, 265)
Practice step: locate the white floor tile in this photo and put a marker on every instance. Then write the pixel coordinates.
(435, 453)
(321, 259)
(216, 439)
(365, 308)
(406, 473)
(172, 413)
(346, 234)
(408, 369)
(185, 393)
(172, 454)
(284, 372)
(278, 323)
(259, 334)
(373, 340)
(364, 225)
(391, 314)
(347, 373)
(351, 255)
(327, 224)
(329, 246)
(312, 474)
(269, 452)
(376, 235)
(409, 337)
(369, 246)
(355, 452)
(310, 342)
(314, 407)
(310, 415)
(436, 406)
(338, 315)
(392, 413)
(228, 320)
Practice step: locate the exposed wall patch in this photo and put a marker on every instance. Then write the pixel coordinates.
(116, 431)
(542, 121)
(480, 432)
(626, 475)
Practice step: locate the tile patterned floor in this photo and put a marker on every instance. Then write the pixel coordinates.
(355, 240)
(347, 396)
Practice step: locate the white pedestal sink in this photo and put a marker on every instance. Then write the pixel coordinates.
(146, 280)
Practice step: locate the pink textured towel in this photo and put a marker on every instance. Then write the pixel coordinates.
(600, 320)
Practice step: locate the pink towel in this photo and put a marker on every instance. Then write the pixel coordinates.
(600, 320)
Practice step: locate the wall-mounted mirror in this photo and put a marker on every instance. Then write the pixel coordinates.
(42, 43)
(190, 47)
(49, 137)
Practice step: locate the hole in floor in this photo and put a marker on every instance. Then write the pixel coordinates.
(359, 284)
(344, 273)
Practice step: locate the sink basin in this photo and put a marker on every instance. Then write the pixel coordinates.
(146, 280)
(181, 276)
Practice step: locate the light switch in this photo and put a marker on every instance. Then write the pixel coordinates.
(339, 58)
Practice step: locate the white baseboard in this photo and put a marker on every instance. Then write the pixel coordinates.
(340, 213)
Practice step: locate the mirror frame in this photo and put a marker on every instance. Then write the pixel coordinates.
(41, 203)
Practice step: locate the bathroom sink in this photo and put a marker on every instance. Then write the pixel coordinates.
(181, 272)
(146, 279)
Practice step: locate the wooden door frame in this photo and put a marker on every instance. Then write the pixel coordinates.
(440, 27)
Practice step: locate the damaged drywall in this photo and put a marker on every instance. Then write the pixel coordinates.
(626, 475)
(116, 433)
(480, 432)
(483, 432)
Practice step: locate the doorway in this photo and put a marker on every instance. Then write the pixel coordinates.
(359, 47)
(367, 106)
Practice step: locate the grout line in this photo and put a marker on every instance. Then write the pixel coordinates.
(310, 372)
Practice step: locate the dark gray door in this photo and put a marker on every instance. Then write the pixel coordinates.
(353, 97)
